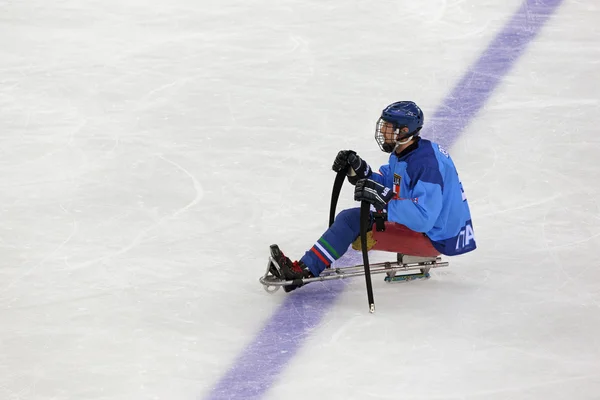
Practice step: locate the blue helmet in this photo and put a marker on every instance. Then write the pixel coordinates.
(400, 115)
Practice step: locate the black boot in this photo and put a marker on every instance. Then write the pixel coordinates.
(290, 271)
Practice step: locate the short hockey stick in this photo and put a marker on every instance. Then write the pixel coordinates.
(335, 194)
(365, 221)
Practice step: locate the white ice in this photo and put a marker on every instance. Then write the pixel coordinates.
(150, 152)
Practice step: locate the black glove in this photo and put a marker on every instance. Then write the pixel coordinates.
(373, 192)
(341, 160)
(349, 158)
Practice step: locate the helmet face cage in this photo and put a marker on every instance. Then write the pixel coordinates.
(395, 117)
(392, 130)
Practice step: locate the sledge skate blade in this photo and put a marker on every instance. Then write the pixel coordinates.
(407, 277)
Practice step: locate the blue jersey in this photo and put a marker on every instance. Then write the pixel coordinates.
(429, 197)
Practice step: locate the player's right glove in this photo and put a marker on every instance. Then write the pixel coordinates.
(347, 159)
(373, 192)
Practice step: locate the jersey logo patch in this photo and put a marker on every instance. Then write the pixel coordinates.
(397, 181)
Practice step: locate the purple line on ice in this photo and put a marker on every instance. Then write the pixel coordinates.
(470, 94)
(260, 363)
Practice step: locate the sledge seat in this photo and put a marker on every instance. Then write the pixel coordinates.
(397, 238)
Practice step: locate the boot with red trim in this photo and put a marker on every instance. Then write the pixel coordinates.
(290, 271)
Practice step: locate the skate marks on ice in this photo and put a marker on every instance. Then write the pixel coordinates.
(139, 238)
(77, 227)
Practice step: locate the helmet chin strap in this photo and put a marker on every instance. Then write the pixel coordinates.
(403, 142)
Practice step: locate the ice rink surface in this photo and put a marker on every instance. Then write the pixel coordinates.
(150, 152)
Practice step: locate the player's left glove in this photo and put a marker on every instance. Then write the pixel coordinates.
(341, 160)
(349, 160)
(373, 192)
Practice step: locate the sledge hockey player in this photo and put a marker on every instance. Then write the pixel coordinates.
(418, 190)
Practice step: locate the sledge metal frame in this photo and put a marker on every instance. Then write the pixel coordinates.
(272, 279)
(272, 283)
